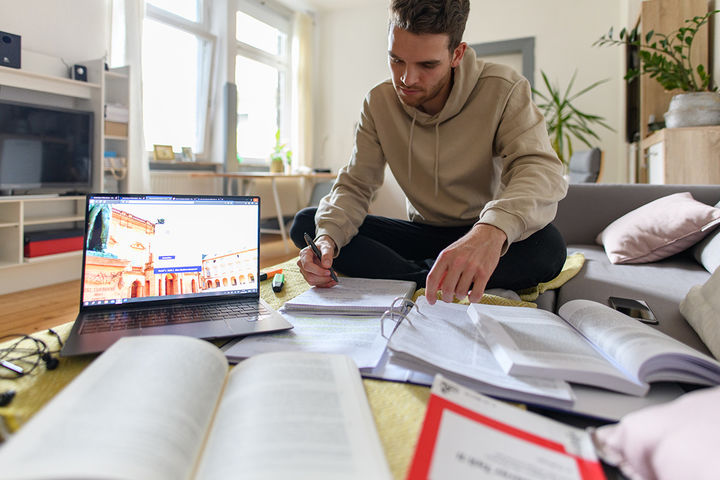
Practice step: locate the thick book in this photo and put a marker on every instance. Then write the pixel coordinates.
(352, 296)
(443, 339)
(466, 435)
(167, 407)
(589, 343)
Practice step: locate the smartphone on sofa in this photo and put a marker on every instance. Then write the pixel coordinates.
(637, 309)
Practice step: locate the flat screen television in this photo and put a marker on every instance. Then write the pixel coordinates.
(44, 149)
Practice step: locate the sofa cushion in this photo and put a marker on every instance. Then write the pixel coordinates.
(707, 252)
(701, 308)
(662, 284)
(658, 229)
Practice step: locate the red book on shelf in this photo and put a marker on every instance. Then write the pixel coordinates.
(50, 242)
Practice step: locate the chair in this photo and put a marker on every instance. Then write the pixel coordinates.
(586, 166)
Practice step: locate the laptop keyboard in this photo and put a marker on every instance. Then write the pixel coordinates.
(156, 317)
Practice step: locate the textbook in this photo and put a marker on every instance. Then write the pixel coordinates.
(592, 344)
(466, 435)
(165, 407)
(352, 296)
(442, 338)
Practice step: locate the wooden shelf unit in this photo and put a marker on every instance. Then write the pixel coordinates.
(684, 156)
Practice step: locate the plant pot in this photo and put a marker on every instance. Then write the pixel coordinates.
(277, 165)
(693, 110)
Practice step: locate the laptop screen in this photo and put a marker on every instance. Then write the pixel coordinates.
(149, 248)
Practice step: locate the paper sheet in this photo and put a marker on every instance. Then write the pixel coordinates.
(355, 336)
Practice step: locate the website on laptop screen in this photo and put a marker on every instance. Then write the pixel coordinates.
(146, 248)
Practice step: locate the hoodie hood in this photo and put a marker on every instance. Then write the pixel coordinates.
(464, 78)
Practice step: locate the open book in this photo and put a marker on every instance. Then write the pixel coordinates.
(443, 339)
(352, 296)
(165, 407)
(592, 344)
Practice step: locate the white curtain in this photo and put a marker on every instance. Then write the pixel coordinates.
(128, 16)
(302, 125)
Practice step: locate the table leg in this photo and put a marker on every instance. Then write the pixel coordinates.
(278, 210)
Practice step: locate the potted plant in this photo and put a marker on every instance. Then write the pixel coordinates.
(666, 58)
(281, 157)
(564, 120)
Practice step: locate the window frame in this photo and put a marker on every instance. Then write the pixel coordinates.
(206, 67)
(279, 17)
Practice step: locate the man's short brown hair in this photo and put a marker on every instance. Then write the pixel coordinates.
(431, 16)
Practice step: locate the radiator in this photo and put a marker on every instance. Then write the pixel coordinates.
(167, 181)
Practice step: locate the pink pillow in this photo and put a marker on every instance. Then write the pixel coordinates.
(658, 229)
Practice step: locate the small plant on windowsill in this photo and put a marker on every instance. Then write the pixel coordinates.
(281, 157)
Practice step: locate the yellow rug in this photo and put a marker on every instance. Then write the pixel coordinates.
(398, 408)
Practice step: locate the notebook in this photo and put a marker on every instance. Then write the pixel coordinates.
(352, 296)
(157, 264)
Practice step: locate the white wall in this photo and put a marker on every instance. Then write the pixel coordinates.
(353, 51)
(73, 30)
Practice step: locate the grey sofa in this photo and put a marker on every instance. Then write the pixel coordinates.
(586, 211)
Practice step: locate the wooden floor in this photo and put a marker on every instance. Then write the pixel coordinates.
(34, 310)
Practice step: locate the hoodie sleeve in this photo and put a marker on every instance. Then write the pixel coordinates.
(532, 174)
(343, 210)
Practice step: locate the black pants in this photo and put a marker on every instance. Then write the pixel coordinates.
(403, 250)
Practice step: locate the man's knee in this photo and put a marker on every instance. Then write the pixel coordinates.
(538, 258)
(304, 222)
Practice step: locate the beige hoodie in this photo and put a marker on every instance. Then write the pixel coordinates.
(484, 158)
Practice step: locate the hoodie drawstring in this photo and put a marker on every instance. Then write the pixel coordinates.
(412, 128)
(437, 156)
(437, 153)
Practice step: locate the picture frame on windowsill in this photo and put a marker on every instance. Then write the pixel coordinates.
(163, 153)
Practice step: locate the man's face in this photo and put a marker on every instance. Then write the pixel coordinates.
(421, 68)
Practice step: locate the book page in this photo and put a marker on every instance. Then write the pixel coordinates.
(528, 341)
(294, 415)
(140, 411)
(357, 336)
(443, 335)
(352, 295)
(640, 349)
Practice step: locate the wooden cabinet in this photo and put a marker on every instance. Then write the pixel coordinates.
(665, 16)
(688, 155)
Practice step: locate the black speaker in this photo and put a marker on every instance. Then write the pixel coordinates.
(79, 73)
(9, 50)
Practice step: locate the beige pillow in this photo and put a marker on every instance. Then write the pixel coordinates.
(701, 309)
(658, 229)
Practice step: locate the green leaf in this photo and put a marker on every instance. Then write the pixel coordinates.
(649, 35)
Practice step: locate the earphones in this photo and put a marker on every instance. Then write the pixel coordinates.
(17, 357)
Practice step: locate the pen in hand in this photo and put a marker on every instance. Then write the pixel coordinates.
(316, 251)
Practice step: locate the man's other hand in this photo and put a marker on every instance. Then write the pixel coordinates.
(316, 271)
(470, 261)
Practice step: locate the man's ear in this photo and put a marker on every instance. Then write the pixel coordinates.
(458, 54)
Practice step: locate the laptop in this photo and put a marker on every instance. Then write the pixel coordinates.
(178, 264)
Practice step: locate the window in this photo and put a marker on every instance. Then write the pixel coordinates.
(177, 51)
(262, 72)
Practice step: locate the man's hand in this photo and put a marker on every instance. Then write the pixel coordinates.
(470, 260)
(315, 271)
